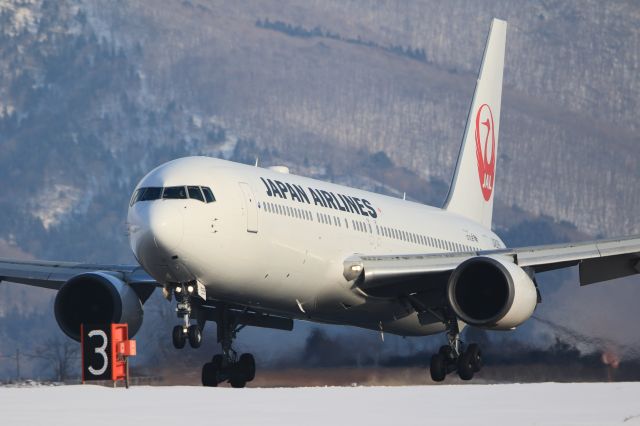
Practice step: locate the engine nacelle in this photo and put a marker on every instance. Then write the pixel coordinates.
(491, 293)
(96, 298)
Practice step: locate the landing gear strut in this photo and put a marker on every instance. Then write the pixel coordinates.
(186, 331)
(228, 366)
(466, 359)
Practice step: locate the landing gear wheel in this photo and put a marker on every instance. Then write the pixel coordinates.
(179, 338)
(476, 357)
(195, 336)
(237, 382)
(217, 361)
(247, 366)
(466, 365)
(438, 367)
(445, 350)
(210, 375)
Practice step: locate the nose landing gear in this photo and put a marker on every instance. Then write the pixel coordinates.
(186, 331)
(455, 357)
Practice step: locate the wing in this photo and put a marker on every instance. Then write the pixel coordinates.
(53, 275)
(392, 275)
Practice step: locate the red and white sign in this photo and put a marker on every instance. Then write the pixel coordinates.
(486, 150)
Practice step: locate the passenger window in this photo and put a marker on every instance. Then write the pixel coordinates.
(195, 193)
(208, 195)
(151, 194)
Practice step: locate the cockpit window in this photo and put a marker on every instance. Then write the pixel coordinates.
(208, 195)
(195, 194)
(136, 196)
(174, 192)
(148, 194)
(201, 193)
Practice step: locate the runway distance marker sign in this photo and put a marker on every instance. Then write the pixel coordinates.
(105, 352)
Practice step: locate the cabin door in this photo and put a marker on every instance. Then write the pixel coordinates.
(250, 208)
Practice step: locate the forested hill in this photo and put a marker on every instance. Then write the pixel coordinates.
(93, 95)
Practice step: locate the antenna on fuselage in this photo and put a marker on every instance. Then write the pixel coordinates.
(404, 195)
(256, 161)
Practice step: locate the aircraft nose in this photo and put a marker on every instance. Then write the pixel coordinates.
(165, 222)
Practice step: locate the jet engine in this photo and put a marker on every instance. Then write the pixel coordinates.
(96, 298)
(491, 293)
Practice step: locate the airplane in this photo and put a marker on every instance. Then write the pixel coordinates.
(241, 245)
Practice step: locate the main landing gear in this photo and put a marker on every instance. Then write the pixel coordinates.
(186, 331)
(228, 366)
(456, 357)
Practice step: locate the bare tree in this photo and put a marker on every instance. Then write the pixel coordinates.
(61, 355)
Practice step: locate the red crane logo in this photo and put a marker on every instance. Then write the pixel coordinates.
(486, 150)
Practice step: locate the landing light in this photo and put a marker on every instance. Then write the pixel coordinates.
(190, 289)
(178, 289)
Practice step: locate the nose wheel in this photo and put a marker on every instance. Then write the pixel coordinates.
(186, 331)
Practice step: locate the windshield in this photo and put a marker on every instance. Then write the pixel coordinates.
(199, 193)
(175, 192)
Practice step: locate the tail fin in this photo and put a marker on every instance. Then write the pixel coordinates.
(472, 190)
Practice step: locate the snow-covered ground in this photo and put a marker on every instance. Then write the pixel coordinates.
(548, 403)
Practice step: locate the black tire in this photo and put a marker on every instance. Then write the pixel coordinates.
(217, 361)
(195, 336)
(445, 350)
(476, 357)
(465, 366)
(209, 375)
(247, 365)
(438, 367)
(237, 379)
(179, 339)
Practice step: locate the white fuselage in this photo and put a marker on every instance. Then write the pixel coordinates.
(277, 242)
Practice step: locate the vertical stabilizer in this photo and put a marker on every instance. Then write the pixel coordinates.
(473, 187)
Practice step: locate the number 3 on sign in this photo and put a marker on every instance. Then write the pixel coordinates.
(97, 354)
(101, 351)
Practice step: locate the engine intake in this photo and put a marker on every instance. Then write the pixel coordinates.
(491, 293)
(96, 298)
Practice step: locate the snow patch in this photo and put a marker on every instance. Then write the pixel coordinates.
(24, 16)
(54, 202)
